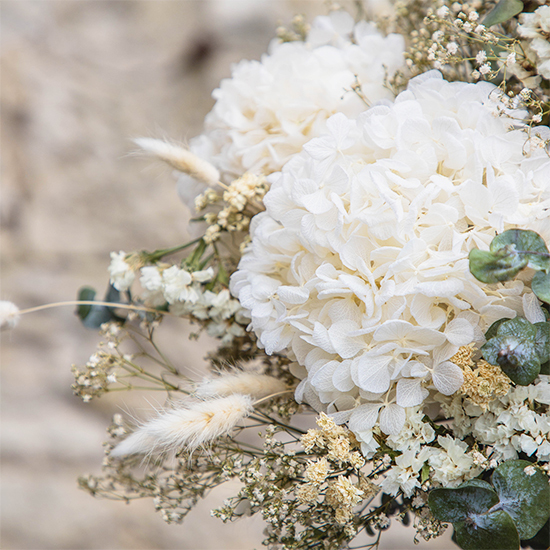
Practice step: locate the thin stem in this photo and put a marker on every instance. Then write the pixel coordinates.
(94, 303)
(153, 256)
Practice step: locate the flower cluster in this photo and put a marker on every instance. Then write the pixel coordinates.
(535, 27)
(512, 423)
(358, 267)
(242, 199)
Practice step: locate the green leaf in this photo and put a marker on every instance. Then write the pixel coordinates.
(494, 267)
(85, 294)
(542, 341)
(528, 244)
(492, 330)
(93, 316)
(514, 350)
(425, 473)
(540, 285)
(452, 505)
(494, 531)
(526, 498)
(504, 10)
(540, 541)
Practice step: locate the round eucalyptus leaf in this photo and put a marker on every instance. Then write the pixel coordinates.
(492, 330)
(493, 267)
(504, 10)
(542, 341)
(525, 496)
(494, 531)
(452, 505)
(93, 316)
(528, 244)
(540, 285)
(85, 294)
(514, 350)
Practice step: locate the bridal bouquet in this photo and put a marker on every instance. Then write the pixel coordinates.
(371, 218)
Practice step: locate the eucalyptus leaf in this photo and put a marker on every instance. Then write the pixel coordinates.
(502, 12)
(492, 330)
(472, 497)
(540, 285)
(494, 531)
(514, 350)
(542, 341)
(528, 244)
(85, 294)
(541, 541)
(526, 498)
(93, 316)
(493, 267)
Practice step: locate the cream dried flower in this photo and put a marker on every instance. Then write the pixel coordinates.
(255, 385)
(189, 426)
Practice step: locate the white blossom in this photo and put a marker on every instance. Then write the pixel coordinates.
(151, 278)
(122, 275)
(359, 266)
(268, 109)
(536, 28)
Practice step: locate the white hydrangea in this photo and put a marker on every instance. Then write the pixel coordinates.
(359, 267)
(269, 108)
(536, 27)
(122, 275)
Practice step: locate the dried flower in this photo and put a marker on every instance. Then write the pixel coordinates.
(191, 425)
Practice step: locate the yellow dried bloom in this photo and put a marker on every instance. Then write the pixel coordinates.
(484, 383)
(339, 449)
(313, 438)
(343, 492)
(343, 515)
(463, 357)
(356, 459)
(329, 427)
(317, 472)
(307, 494)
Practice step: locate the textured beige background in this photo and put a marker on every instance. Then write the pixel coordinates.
(78, 79)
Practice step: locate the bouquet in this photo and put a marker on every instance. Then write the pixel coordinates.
(372, 213)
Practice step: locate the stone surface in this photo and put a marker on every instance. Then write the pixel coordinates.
(79, 79)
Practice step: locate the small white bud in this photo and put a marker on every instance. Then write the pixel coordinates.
(9, 315)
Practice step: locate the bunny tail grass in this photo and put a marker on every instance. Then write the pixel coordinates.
(189, 426)
(255, 385)
(181, 159)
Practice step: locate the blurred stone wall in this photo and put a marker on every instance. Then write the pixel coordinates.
(78, 80)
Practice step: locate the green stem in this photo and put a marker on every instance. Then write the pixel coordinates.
(154, 256)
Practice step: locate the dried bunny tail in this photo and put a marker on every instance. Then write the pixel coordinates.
(190, 426)
(181, 159)
(9, 315)
(255, 385)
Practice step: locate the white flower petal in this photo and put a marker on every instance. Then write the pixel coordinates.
(459, 332)
(531, 309)
(447, 377)
(410, 392)
(392, 419)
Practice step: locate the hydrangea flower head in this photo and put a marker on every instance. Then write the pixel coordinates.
(269, 108)
(358, 268)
